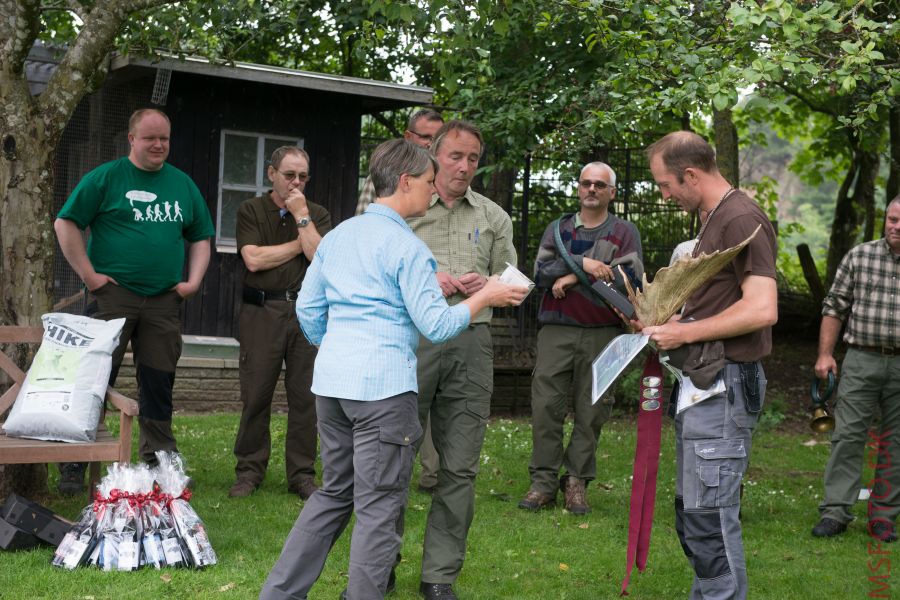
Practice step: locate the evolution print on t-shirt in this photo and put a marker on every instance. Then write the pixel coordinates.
(146, 208)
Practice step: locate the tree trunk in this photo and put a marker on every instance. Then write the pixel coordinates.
(726, 146)
(847, 218)
(864, 193)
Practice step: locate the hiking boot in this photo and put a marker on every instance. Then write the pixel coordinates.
(437, 591)
(883, 530)
(71, 478)
(305, 487)
(574, 490)
(242, 488)
(535, 501)
(828, 528)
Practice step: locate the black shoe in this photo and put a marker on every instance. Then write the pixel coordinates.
(71, 478)
(883, 530)
(828, 528)
(437, 591)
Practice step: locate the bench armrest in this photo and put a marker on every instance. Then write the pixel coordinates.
(123, 403)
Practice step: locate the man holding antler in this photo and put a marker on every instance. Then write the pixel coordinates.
(725, 330)
(576, 324)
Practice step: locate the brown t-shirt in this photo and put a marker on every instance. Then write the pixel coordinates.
(729, 225)
(259, 223)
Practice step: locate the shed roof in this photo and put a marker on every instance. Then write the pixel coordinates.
(376, 95)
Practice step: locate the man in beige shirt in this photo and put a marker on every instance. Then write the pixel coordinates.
(471, 239)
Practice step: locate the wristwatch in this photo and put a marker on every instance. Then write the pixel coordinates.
(302, 221)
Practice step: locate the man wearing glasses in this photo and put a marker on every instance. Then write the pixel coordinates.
(575, 327)
(420, 130)
(277, 236)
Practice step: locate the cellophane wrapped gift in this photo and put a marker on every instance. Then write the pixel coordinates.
(140, 517)
(172, 484)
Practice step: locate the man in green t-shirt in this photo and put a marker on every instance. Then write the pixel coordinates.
(140, 210)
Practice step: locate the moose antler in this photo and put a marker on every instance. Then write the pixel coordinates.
(673, 285)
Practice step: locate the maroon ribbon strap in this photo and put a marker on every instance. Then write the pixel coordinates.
(646, 467)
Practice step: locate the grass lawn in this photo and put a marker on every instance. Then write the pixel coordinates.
(512, 554)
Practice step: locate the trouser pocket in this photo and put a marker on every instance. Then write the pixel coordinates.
(720, 465)
(395, 457)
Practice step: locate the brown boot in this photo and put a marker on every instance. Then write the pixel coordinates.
(574, 489)
(305, 487)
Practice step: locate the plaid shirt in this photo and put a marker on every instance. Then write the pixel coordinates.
(473, 236)
(867, 287)
(366, 196)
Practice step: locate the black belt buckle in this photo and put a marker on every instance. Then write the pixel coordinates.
(254, 296)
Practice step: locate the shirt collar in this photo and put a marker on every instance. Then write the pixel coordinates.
(576, 223)
(471, 196)
(385, 211)
(887, 248)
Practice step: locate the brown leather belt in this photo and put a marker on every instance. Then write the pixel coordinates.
(885, 350)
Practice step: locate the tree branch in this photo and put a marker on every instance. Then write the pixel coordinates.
(19, 27)
(88, 53)
(812, 105)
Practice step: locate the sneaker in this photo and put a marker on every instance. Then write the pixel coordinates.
(71, 478)
(437, 591)
(242, 488)
(535, 501)
(883, 530)
(828, 528)
(304, 488)
(574, 489)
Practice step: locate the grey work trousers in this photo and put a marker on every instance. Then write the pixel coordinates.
(712, 449)
(870, 386)
(367, 457)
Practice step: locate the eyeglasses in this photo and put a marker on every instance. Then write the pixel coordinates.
(600, 185)
(290, 176)
(426, 138)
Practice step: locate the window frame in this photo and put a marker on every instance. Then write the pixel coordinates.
(260, 186)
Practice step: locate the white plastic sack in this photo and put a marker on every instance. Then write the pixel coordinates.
(62, 396)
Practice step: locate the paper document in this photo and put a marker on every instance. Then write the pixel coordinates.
(610, 363)
(513, 276)
(688, 393)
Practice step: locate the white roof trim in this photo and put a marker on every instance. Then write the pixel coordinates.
(285, 77)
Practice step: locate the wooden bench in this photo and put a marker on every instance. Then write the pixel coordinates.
(107, 448)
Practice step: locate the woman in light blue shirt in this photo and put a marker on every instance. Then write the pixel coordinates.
(368, 294)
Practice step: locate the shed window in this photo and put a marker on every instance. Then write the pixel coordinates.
(242, 175)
